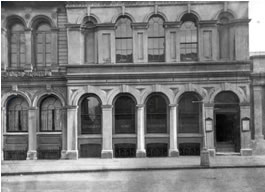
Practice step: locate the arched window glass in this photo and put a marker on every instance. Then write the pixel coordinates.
(43, 45)
(90, 115)
(17, 46)
(89, 34)
(17, 115)
(188, 38)
(156, 39)
(124, 44)
(125, 115)
(50, 114)
(224, 37)
(189, 113)
(156, 114)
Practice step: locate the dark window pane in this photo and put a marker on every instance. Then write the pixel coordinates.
(189, 111)
(90, 116)
(157, 150)
(124, 115)
(156, 115)
(125, 150)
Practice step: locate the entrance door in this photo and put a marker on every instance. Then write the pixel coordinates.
(227, 132)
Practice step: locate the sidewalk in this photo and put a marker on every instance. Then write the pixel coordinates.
(93, 164)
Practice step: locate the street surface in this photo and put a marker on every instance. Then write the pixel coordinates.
(185, 180)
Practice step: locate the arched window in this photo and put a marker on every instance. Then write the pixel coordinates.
(124, 115)
(156, 114)
(17, 46)
(17, 115)
(225, 37)
(90, 41)
(156, 39)
(43, 47)
(91, 115)
(50, 114)
(188, 38)
(124, 44)
(189, 113)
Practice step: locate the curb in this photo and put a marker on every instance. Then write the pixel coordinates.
(130, 169)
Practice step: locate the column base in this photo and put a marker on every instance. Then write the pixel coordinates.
(246, 152)
(32, 155)
(205, 158)
(107, 154)
(212, 152)
(140, 153)
(173, 153)
(63, 154)
(258, 146)
(71, 154)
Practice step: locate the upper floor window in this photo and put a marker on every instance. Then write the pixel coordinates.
(226, 39)
(124, 44)
(43, 48)
(90, 115)
(50, 114)
(125, 115)
(17, 115)
(156, 39)
(90, 40)
(188, 38)
(17, 46)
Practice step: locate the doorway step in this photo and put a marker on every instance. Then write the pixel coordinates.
(225, 147)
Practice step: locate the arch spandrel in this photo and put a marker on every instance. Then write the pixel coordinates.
(147, 17)
(116, 17)
(39, 18)
(5, 98)
(39, 96)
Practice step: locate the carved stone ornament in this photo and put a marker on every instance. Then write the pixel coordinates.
(27, 74)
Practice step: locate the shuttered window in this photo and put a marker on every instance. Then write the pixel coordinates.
(43, 45)
(17, 50)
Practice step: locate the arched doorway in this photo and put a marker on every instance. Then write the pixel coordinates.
(124, 133)
(49, 137)
(90, 126)
(227, 122)
(16, 132)
(190, 124)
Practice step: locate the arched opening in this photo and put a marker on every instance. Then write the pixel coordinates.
(90, 126)
(124, 133)
(16, 146)
(89, 26)
(157, 138)
(227, 122)
(17, 44)
(156, 39)
(49, 139)
(190, 123)
(43, 44)
(124, 43)
(189, 38)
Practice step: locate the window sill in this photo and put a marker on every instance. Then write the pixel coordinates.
(189, 135)
(156, 135)
(84, 136)
(15, 133)
(49, 133)
(124, 135)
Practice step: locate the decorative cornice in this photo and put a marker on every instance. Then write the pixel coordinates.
(139, 25)
(106, 26)
(176, 24)
(208, 23)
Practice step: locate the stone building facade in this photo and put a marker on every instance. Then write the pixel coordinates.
(126, 79)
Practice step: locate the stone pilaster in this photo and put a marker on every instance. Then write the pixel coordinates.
(173, 149)
(71, 152)
(209, 129)
(259, 143)
(32, 140)
(3, 130)
(141, 152)
(64, 133)
(107, 151)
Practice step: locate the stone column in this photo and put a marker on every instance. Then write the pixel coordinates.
(205, 155)
(28, 52)
(173, 149)
(140, 132)
(4, 49)
(245, 134)
(64, 132)
(209, 116)
(32, 138)
(3, 130)
(72, 152)
(107, 151)
(259, 143)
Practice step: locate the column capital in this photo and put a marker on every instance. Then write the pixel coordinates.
(173, 105)
(106, 106)
(140, 105)
(208, 105)
(71, 107)
(33, 108)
